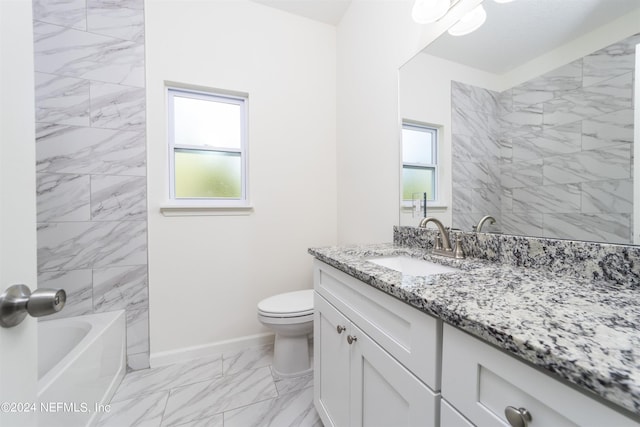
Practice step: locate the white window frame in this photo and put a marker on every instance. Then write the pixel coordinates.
(435, 131)
(184, 205)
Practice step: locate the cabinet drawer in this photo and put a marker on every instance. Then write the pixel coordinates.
(480, 381)
(449, 417)
(414, 338)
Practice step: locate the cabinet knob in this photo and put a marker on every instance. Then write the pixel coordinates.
(340, 329)
(517, 417)
(351, 339)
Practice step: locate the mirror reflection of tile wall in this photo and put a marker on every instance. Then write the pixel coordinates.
(552, 156)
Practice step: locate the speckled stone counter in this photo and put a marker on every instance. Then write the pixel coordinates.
(585, 331)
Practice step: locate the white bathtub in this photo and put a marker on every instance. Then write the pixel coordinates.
(81, 362)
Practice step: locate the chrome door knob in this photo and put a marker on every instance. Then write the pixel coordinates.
(517, 417)
(340, 329)
(17, 301)
(351, 339)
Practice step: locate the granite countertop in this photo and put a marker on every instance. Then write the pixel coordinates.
(587, 332)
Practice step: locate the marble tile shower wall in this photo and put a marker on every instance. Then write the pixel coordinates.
(476, 154)
(91, 159)
(566, 145)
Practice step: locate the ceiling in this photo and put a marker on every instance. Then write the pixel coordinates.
(327, 11)
(522, 30)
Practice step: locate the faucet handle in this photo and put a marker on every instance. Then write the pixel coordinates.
(458, 252)
(437, 244)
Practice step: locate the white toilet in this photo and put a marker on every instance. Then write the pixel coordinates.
(290, 315)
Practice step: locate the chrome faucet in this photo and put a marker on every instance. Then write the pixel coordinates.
(442, 244)
(484, 219)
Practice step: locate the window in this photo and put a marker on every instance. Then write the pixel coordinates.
(207, 148)
(419, 162)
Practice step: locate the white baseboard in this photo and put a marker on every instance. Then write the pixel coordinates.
(163, 358)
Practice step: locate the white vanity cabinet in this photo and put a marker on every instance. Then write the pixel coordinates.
(480, 381)
(376, 359)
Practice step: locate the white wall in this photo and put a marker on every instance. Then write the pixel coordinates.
(375, 38)
(207, 273)
(425, 96)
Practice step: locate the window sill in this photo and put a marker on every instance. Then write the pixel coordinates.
(199, 210)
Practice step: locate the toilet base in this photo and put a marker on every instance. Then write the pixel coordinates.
(291, 356)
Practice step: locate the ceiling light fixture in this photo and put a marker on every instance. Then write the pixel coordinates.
(428, 11)
(503, 1)
(469, 22)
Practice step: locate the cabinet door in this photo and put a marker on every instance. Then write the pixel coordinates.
(331, 364)
(383, 392)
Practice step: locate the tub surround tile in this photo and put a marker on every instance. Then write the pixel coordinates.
(82, 150)
(138, 361)
(116, 198)
(592, 165)
(78, 245)
(143, 411)
(62, 197)
(137, 330)
(67, 13)
(77, 285)
(289, 409)
(615, 196)
(117, 288)
(537, 314)
(613, 60)
(73, 53)
(209, 398)
(608, 129)
(62, 100)
(122, 19)
(117, 106)
(612, 228)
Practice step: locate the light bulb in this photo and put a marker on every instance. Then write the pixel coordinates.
(469, 22)
(427, 11)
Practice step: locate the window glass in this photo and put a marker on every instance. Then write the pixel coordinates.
(418, 180)
(417, 146)
(207, 174)
(206, 123)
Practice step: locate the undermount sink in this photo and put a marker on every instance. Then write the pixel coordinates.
(412, 266)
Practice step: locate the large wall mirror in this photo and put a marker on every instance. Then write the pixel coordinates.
(529, 119)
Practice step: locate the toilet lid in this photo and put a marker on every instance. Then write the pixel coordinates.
(292, 304)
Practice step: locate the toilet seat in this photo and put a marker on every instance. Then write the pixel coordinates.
(290, 304)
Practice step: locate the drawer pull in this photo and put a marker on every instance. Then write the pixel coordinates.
(517, 417)
(340, 328)
(351, 339)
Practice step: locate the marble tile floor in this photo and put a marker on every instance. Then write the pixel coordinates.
(235, 389)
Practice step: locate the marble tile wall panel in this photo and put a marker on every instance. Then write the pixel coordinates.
(521, 174)
(559, 140)
(471, 175)
(593, 165)
(91, 158)
(465, 220)
(609, 129)
(475, 149)
(548, 86)
(612, 228)
(67, 13)
(137, 330)
(548, 199)
(486, 201)
(79, 245)
(83, 150)
(63, 197)
(77, 285)
(117, 106)
(122, 19)
(461, 199)
(524, 223)
(613, 60)
(117, 288)
(614, 196)
(473, 123)
(472, 98)
(522, 122)
(118, 198)
(73, 53)
(63, 100)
